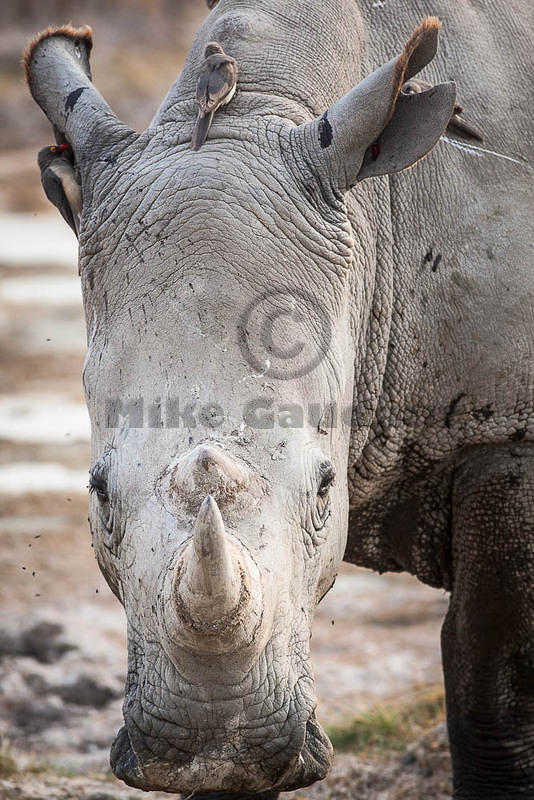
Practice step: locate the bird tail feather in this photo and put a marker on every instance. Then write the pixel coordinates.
(200, 131)
(460, 126)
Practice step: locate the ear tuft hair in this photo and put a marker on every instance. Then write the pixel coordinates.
(85, 33)
(423, 39)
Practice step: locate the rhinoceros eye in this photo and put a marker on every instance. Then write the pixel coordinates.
(106, 521)
(320, 511)
(327, 478)
(98, 485)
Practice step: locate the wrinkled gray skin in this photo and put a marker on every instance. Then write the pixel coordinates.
(425, 279)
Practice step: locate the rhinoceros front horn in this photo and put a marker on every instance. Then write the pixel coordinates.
(217, 599)
(210, 584)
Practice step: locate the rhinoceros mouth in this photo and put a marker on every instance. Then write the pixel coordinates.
(235, 796)
(310, 764)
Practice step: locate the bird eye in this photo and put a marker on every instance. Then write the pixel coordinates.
(53, 149)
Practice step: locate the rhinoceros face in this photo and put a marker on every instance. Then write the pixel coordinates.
(219, 500)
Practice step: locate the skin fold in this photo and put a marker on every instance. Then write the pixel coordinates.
(300, 352)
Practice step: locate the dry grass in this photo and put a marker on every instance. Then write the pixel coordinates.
(393, 726)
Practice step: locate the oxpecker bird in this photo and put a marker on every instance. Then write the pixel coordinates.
(456, 124)
(61, 186)
(215, 88)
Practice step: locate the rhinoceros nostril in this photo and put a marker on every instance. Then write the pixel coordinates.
(123, 759)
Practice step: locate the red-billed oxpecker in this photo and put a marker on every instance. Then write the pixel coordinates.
(215, 88)
(60, 183)
(457, 124)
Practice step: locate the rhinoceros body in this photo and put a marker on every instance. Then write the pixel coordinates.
(290, 364)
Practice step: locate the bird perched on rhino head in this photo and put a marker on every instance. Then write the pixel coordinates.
(215, 88)
(457, 124)
(60, 183)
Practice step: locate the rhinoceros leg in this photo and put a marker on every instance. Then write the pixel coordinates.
(488, 635)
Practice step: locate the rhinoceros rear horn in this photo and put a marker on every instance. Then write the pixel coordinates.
(375, 130)
(56, 63)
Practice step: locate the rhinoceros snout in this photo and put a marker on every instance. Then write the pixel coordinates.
(238, 779)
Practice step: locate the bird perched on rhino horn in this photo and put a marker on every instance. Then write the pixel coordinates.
(456, 124)
(215, 88)
(60, 183)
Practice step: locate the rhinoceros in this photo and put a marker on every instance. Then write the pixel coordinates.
(299, 353)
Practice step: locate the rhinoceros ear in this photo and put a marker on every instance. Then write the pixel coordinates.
(374, 130)
(56, 63)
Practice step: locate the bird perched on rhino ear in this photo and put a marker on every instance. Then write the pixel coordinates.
(61, 186)
(215, 88)
(456, 124)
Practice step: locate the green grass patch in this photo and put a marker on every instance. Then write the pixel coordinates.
(8, 765)
(393, 726)
(36, 767)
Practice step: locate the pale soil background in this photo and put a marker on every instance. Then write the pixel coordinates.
(62, 633)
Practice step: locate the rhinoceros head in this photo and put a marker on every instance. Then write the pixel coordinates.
(226, 304)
